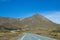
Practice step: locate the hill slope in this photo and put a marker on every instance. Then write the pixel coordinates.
(34, 22)
(37, 24)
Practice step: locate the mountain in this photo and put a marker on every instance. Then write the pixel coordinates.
(8, 23)
(37, 21)
(34, 22)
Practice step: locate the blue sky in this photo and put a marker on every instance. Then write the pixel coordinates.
(25, 8)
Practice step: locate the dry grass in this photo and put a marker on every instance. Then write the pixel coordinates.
(9, 36)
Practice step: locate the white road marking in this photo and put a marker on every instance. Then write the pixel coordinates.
(23, 37)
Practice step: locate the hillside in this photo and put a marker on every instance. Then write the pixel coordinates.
(35, 21)
(9, 23)
(37, 24)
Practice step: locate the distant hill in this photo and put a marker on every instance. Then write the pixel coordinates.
(37, 21)
(34, 22)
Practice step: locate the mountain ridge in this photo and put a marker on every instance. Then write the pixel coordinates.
(36, 20)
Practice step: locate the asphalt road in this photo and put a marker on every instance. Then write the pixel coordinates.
(29, 36)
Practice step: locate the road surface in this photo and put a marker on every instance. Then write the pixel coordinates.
(29, 36)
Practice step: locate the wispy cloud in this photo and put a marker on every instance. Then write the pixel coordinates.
(54, 16)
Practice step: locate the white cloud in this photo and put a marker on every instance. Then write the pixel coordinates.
(54, 16)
